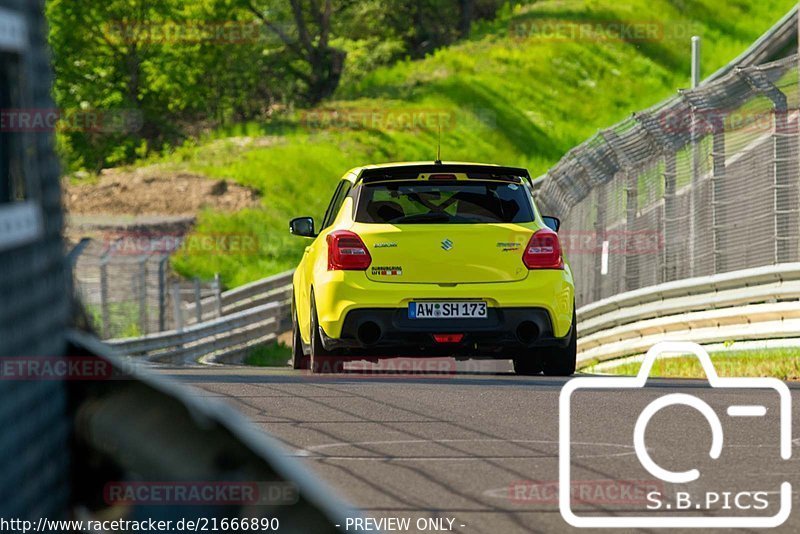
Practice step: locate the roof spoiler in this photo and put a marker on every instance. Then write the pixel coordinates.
(410, 172)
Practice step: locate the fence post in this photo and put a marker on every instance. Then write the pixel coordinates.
(599, 237)
(718, 211)
(631, 208)
(162, 294)
(785, 214)
(670, 230)
(694, 184)
(218, 294)
(104, 312)
(176, 302)
(143, 295)
(198, 306)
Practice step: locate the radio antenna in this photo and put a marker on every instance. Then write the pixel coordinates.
(438, 160)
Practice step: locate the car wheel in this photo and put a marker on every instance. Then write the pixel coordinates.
(322, 360)
(528, 364)
(299, 358)
(561, 361)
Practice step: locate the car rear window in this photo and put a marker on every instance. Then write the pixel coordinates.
(418, 202)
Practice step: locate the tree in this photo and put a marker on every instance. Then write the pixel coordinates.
(177, 68)
(304, 27)
(160, 61)
(465, 14)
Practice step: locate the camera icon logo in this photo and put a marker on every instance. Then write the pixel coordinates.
(679, 519)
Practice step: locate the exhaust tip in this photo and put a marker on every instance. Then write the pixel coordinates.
(368, 333)
(527, 332)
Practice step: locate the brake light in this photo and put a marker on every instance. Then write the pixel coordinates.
(448, 338)
(346, 252)
(442, 177)
(543, 251)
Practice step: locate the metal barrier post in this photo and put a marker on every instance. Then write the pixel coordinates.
(143, 294)
(218, 294)
(162, 294)
(104, 312)
(198, 306)
(176, 303)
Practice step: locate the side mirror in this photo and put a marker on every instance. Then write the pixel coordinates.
(302, 226)
(554, 223)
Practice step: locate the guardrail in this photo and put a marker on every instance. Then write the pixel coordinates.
(256, 293)
(759, 303)
(253, 314)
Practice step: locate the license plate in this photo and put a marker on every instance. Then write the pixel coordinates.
(447, 310)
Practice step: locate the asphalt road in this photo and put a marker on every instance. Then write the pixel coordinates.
(478, 449)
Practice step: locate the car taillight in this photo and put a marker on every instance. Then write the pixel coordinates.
(543, 251)
(346, 252)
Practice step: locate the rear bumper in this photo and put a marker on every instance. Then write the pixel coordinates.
(389, 331)
(340, 293)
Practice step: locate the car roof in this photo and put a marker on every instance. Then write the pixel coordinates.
(405, 168)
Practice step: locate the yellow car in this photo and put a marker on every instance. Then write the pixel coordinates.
(433, 259)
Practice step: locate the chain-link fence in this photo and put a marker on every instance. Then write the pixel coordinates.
(704, 183)
(129, 295)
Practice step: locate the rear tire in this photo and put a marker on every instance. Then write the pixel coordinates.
(561, 361)
(529, 364)
(299, 358)
(322, 361)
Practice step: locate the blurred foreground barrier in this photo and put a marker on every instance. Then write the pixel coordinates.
(148, 448)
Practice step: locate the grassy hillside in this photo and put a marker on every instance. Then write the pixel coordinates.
(501, 97)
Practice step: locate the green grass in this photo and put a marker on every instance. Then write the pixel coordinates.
(271, 355)
(510, 100)
(123, 319)
(781, 363)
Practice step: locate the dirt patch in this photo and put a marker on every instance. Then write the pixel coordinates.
(154, 191)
